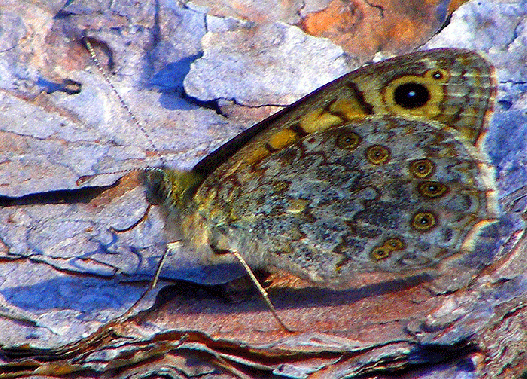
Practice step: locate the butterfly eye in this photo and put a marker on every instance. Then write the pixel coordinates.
(411, 95)
(431, 189)
(424, 221)
(348, 140)
(422, 168)
(378, 154)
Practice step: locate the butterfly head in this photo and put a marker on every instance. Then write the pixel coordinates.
(172, 188)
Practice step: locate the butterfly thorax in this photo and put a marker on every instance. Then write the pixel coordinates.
(195, 216)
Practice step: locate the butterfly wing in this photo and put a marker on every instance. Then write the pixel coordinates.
(380, 195)
(455, 87)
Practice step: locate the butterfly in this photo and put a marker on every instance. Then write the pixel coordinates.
(380, 171)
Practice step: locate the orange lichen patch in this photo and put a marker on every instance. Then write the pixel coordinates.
(363, 28)
(455, 4)
(338, 14)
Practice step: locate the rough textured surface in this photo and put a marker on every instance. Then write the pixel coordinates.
(60, 121)
(51, 135)
(361, 27)
(263, 53)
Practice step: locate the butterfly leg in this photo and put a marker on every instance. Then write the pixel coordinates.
(262, 291)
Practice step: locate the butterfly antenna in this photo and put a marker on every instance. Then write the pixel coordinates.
(125, 106)
(132, 116)
(262, 291)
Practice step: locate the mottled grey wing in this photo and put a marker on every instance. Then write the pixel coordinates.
(381, 195)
